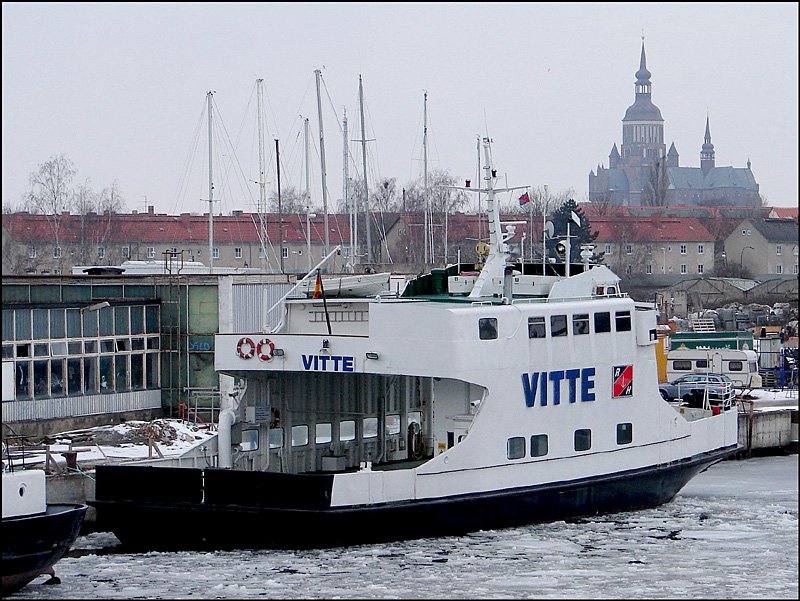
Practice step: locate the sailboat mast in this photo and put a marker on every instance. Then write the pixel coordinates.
(210, 188)
(427, 226)
(364, 161)
(307, 196)
(480, 218)
(318, 74)
(262, 191)
(345, 176)
(280, 208)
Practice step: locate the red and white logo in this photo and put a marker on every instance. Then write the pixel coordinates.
(623, 381)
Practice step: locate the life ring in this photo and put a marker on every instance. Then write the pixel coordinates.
(251, 348)
(265, 354)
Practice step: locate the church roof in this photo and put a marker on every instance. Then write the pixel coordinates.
(643, 109)
(718, 177)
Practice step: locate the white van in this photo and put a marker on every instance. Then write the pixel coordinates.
(740, 366)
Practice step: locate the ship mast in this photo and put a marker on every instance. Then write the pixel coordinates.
(210, 188)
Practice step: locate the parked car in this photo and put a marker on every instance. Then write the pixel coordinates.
(691, 388)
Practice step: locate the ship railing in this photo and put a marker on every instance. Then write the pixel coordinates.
(561, 299)
(713, 394)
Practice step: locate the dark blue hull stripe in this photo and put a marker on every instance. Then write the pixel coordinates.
(247, 525)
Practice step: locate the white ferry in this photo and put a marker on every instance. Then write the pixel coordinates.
(432, 413)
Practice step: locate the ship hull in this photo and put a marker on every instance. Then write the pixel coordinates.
(242, 523)
(33, 544)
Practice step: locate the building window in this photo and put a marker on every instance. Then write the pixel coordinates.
(126, 252)
(649, 268)
(56, 252)
(237, 252)
(536, 327)
(607, 249)
(683, 249)
(700, 268)
(101, 252)
(624, 433)
(215, 253)
(629, 249)
(778, 249)
(649, 249)
(538, 445)
(285, 252)
(261, 254)
(583, 439)
(701, 249)
(515, 447)
(629, 269)
(794, 269)
(151, 252)
(683, 267)
(31, 253)
(779, 268)
(487, 328)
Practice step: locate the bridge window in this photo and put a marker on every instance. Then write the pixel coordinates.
(580, 323)
(393, 424)
(536, 327)
(276, 438)
(516, 447)
(623, 319)
(602, 322)
(558, 325)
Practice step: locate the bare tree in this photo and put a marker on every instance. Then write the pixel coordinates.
(601, 205)
(293, 201)
(655, 191)
(51, 195)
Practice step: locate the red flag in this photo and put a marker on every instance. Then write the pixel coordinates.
(318, 287)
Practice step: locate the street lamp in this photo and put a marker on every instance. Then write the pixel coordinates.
(741, 258)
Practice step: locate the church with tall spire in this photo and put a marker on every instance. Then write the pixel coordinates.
(642, 172)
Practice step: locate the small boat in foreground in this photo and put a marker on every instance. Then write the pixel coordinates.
(35, 534)
(452, 408)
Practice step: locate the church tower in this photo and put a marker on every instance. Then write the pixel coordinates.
(707, 152)
(643, 126)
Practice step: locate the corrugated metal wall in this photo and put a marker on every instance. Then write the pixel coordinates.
(251, 303)
(81, 405)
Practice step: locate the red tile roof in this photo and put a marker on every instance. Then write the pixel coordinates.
(147, 227)
(653, 229)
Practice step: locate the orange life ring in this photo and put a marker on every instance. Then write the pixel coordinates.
(251, 348)
(265, 355)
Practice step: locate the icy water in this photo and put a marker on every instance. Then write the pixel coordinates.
(731, 533)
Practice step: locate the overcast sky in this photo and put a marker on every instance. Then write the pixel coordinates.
(120, 90)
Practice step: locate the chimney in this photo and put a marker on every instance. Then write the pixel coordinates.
(150, 209)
